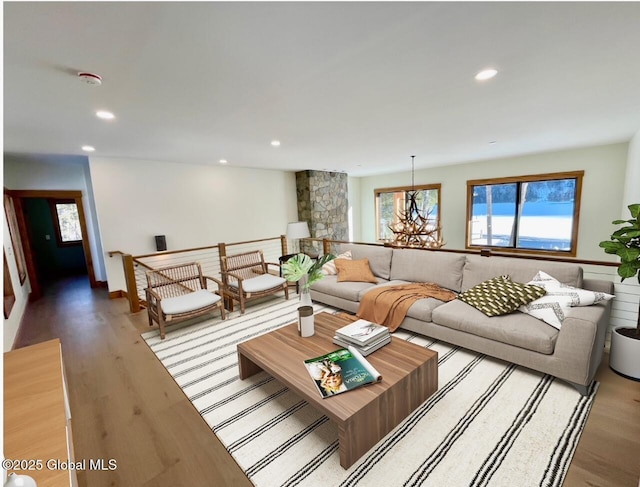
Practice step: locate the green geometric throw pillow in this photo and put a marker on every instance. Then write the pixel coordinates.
(500, 295)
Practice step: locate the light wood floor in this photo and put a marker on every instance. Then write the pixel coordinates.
(126, 407)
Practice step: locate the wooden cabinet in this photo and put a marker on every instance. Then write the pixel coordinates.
(37, 417)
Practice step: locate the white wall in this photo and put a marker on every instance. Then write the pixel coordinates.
(58, 173)
(193, 205)
(604, 168)
(632, 179)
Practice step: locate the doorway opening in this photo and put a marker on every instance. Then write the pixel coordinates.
(54, 236)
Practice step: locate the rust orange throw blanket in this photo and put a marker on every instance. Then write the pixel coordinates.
(388, 305)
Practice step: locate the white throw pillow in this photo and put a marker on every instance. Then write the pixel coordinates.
(578, 297)
(329, 269)
(552, 308)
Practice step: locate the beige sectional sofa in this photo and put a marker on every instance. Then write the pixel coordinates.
(571, 353)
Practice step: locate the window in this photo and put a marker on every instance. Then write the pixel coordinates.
(525, 214)
(391, 201)
(67, 222)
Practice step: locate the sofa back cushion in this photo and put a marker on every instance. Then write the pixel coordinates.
(478, 269)
(379, 257)
(441, 268)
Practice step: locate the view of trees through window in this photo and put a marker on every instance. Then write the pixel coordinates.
(390, 201)
(68, 222)
(525, 214)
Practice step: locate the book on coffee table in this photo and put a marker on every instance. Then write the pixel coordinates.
(339, 371)
(364, 349)
(362, 332)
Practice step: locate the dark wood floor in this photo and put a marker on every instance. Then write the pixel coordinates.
(126, 407)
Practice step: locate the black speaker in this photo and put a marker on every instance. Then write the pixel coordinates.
(161, 242)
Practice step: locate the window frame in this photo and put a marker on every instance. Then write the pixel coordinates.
(577, 175)
(405, 189)
(56, 222)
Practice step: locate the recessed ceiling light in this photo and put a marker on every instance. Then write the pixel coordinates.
(105, 115)
(88, 148)
(275, 143)
(223, 161)
(486, 74)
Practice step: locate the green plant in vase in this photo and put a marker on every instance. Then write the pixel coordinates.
(624, 353)
(625, 243)
(303, 269)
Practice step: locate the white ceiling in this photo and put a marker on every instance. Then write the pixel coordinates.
(356, 87)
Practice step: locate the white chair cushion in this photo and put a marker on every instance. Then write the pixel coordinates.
(260, 283)
(189, 302)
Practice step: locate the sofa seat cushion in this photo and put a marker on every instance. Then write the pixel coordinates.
(517, 329)
(345, 290)
(188, 302)
(260, 283)
(423, 309)
(420, 310)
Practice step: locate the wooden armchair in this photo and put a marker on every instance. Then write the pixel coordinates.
(179, 292)
(246, 276)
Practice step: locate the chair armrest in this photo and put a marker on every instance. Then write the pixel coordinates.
(217, 281)
(231, 274)
(153, 301)
(151, 293)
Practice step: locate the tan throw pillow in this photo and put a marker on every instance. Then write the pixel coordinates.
(354, 271)
(329, 268)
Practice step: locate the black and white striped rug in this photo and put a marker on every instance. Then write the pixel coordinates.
(490, 422)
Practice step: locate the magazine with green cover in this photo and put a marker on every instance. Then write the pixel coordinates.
(340, 371)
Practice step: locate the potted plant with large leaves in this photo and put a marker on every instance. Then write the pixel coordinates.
(624, 356)
(303, 269)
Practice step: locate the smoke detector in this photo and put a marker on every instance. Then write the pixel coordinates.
(90, 78)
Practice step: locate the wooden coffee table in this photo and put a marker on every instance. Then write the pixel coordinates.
(364, 415)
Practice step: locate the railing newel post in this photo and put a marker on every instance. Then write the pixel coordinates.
(132, 286)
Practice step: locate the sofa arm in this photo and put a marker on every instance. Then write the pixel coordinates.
(580, 342)
(598, 285)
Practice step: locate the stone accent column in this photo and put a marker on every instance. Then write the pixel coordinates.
(323, 203)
